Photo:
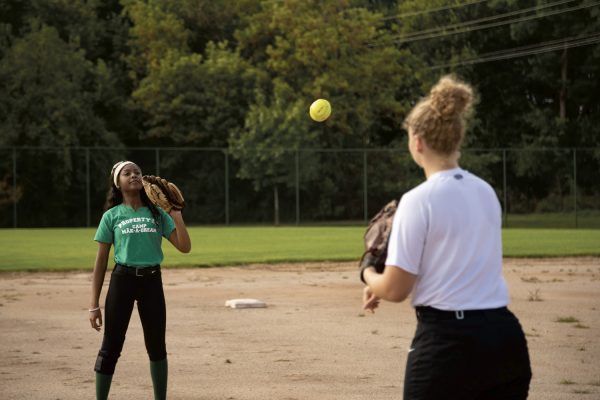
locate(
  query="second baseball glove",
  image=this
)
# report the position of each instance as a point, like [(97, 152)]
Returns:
[(376, 239)]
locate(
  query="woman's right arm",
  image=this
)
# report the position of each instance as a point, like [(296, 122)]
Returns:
[(97, 281), (395, 284)]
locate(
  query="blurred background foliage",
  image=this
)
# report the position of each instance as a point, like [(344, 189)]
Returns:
[(239, 76)]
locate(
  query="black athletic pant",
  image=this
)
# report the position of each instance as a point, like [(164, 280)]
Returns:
[(124, 289), (473, 355)]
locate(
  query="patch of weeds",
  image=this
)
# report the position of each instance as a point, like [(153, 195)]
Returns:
[(567, 320), (581, 391), (532, 279), (581, 326), (594, 383), (567, 382), (361, 315), (532, 334), (374, 332), (535, 295)]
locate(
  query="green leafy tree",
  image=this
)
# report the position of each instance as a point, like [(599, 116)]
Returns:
[(50, 93), (268, 144), (96, 29), (319, 49), (561, 85), (191, 99), (155, 34), (536, 101), (95, 26), (211, 20), (562, 99)]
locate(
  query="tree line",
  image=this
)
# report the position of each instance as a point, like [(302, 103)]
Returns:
[(240, 75)]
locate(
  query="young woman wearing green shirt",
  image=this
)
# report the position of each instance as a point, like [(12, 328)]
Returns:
[(135, 226)]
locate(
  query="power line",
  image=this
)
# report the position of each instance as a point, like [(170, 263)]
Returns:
[(500, 23), (536, 45), (464, 27), (431, 10), (523, 51), (486, 19)]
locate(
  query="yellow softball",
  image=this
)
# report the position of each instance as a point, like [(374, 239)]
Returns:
[(320, 110)]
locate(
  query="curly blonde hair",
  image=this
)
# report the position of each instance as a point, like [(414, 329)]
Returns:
[(439, 117)]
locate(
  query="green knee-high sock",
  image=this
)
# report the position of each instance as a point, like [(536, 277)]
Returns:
[(103, 382), (159, 371)]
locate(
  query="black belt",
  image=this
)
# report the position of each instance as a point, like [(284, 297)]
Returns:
[(138, 271), (428, 314)]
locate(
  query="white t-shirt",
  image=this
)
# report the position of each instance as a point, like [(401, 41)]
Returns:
[(447, 231)]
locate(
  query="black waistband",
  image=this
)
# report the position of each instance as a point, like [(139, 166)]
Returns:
[(137, 271), (426, 313)]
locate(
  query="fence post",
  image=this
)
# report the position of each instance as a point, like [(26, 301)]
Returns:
[(226, 186), (87, 187), (575, 186), (505, 208), (14, 187), (297, 188), (365, 190)]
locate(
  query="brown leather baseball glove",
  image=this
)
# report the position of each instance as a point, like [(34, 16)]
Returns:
[(376, 239), (163, 193)]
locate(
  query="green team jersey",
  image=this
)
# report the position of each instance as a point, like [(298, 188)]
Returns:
[(136, 235)]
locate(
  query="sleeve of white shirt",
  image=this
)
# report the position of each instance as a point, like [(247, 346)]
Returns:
[(409, 230)]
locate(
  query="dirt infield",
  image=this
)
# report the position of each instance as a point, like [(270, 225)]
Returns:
[(312, 342)]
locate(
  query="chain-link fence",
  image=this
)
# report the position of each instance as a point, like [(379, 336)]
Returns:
[(56, 187)]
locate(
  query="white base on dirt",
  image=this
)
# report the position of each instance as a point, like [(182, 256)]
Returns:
[(245, 303)]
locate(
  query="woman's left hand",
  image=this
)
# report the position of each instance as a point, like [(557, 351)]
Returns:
[(96, 319), (370, 301)]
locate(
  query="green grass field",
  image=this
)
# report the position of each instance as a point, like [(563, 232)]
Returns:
[(74, 249), (584, 219)]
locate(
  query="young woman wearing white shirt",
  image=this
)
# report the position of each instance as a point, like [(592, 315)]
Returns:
[(446, 248)]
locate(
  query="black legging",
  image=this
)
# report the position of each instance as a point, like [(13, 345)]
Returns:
[(123, 291)]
